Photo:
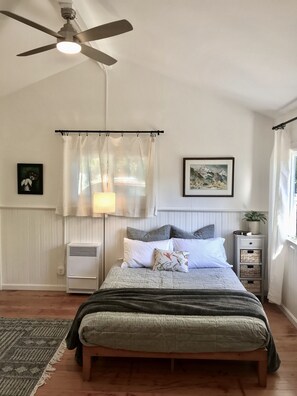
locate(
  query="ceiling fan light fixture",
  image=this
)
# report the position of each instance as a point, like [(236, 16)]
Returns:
[(70, 41), (68, 47)]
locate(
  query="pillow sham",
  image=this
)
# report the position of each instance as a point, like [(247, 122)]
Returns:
[(159, 234), (139, 254), (203, 233), (167, 260), (203, 253)]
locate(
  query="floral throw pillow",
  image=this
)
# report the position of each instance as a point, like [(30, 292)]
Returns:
[(167, 260)]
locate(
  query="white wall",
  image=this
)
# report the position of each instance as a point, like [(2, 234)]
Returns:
[(73, 100), (196, 123)]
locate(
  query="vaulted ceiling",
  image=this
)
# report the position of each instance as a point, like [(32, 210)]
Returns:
[(245, 50)]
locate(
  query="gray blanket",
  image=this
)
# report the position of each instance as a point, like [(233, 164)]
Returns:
[(173, 302)]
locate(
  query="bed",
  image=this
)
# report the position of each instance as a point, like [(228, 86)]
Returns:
[(194, 312)]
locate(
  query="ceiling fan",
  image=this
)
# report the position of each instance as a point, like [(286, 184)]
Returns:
[(71, 41)]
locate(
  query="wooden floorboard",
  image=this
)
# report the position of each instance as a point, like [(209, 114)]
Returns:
[(153, 377)]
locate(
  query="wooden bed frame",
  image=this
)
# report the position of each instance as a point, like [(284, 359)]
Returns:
[(259, 356)]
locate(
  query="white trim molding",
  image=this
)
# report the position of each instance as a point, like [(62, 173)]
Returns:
[(289, 315), (34, 287)]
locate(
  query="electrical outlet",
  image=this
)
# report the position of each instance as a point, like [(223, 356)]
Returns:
[(61, 270)]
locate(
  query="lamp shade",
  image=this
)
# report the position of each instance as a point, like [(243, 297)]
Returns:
[(104, 202)]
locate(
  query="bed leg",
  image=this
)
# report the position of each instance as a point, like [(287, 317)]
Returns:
[(262, 373), (172, 365), (87, 363)]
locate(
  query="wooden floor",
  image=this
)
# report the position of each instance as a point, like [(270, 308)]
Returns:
[(152, 377)]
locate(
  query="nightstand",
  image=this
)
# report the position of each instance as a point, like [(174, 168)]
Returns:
[(249, 262), (83, 266)]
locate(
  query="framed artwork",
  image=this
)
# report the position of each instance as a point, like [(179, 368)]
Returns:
[(30, 178), (208, 177)]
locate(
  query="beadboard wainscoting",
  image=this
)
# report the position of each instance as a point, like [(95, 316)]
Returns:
[(33, 241), (32, 248)]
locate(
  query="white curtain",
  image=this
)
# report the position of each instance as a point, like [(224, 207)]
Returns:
[(124, 164), (279, 213)]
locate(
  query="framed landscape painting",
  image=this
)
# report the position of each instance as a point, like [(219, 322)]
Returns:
[(208, 177), (30, 178)]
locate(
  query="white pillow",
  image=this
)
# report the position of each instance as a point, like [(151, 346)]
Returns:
[(203, 253), (139, 254)]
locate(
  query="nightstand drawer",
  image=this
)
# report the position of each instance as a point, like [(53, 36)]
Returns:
[(251, 256), (252, 243), (250, 271), (253, 286)]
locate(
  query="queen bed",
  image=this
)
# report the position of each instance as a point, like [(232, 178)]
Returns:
[(145, 308)]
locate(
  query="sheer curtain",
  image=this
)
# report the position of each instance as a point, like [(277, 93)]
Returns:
[(279, 213), (125, 164)]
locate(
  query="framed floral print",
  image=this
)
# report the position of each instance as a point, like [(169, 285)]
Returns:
[(30, 178)]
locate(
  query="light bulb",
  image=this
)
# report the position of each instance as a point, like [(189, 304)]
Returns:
[(68, 47)]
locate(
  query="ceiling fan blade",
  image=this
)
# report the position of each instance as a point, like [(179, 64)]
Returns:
[(104, 31), (38, 50), (31, 23), (97, 55)]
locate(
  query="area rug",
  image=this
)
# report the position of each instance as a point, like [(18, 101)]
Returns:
[(28, 350)]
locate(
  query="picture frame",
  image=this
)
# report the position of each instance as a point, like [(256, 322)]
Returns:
[(30, 179), (208, 177)]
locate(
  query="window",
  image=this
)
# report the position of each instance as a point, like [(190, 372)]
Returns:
[(123, 164)]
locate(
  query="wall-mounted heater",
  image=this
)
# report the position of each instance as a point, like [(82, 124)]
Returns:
[(83, 267)]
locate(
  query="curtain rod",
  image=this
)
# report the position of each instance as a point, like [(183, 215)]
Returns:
[(283, 124), (107, 132)]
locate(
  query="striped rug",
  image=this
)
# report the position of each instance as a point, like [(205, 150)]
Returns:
[(28, 349)]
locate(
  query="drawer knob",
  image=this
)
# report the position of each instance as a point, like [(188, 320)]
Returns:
[(251, 243)]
